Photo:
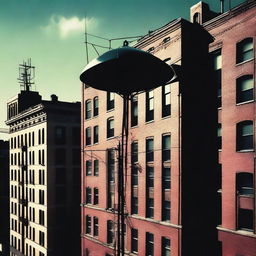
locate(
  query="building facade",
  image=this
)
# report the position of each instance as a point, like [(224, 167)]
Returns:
[(4, 198), (233, 51), (191, 174), (44, 175)]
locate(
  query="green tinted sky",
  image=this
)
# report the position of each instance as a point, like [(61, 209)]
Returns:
[(51, 33)]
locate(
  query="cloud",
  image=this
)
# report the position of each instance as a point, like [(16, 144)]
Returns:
[(66, 27)]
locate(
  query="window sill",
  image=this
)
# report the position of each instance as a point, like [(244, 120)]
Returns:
[(110, 110), (135, 126), (246, 195), (245, 102), (165, 117), (241, 63), (111, 138), (245, 150), (149, 122)]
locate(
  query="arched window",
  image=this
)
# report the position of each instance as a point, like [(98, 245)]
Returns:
[(95, 106), (88, 109), (244, 50), (196, 17), (244, 134), (244, 88), (88, 136), (110, 127)]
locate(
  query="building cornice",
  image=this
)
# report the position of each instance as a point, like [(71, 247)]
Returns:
[(159, 33), (225, 17)]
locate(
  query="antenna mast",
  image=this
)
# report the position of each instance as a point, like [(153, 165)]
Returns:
[(26, 75)]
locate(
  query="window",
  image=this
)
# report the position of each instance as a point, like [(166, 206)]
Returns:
[(166, 246), (150, 150), (134, 160), (150, 208), (134, 240), (110, 100), (41, 238), (111, 177), (134, 111), (150, 176), (149, 105), (60, 135), (96, 134), (88, 167), (166, 100), (41, 196), (166, 210), (217, 65), (244, 89), (76, 136), (196, 18), (41, 177), (110, 127), (60, 176), (96, 196), (244, 183), (41, 217), (166, 177), (219, 138), (88, 136), (134, 207), (245, 219), (95, 226), (60, 156), (95, 106), (110, 232), (245, 135), (149, 244), (244, 50), (166, 146), (88, 227), (88, 195), (88, 109), (96, 167)]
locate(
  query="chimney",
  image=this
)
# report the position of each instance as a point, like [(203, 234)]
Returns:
[(54, 98)]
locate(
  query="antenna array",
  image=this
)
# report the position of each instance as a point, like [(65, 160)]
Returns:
[(26, 75)]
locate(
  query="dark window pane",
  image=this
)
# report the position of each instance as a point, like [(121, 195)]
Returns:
[(110, 100), (96, 134), (88, 109), (244, 50), (134, 239), (88, 136), (134, 111), (149, 106), (244, 183), (244, 87), (149, 244), (60, 135), (110, 127), (245, 219), (95, 106), (149, 150)]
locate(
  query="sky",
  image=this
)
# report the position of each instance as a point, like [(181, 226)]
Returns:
[(51, 33)]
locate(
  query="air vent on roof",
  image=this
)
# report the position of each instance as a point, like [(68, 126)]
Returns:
[(167, 39), (151, 49)]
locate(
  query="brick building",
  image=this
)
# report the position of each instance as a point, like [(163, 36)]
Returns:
[(172, 204), (44, 175), (4, 198)]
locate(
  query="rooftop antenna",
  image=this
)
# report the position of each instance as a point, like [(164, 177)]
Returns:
[(26, 75)]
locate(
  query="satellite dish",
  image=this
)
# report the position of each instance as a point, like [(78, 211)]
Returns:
[(126, 70)]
